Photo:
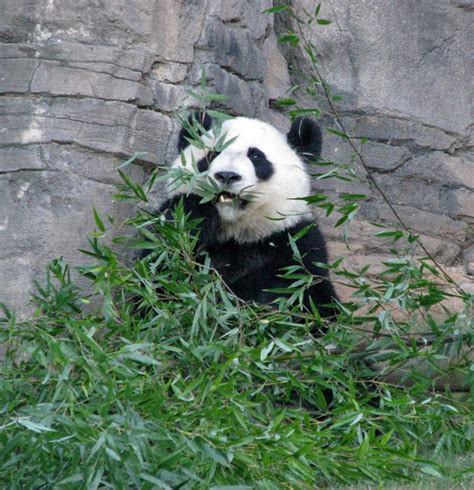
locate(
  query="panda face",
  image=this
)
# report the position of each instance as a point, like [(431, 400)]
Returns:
[(259, 176), (238, 172)]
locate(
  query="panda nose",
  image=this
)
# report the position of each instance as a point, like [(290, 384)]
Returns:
[(227, 177)]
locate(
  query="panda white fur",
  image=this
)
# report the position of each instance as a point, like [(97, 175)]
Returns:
[(261, 175)]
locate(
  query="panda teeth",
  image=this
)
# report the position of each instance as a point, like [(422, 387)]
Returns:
[(225, 199)]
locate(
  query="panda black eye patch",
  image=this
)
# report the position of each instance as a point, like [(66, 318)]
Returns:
[(263, 168), (204, 162)]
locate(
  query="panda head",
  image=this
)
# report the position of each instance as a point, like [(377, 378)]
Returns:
[(260, 175)]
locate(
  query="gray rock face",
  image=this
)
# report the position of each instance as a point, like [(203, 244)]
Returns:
[(405, 73), (84, 84), (411, 60)]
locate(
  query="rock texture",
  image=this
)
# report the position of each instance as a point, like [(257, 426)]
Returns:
[(85, 83), (404, 72)]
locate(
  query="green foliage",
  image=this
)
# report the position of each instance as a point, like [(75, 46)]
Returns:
[(169, 381)]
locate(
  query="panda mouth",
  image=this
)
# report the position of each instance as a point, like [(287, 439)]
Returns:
[(229, 199), (226, 198)]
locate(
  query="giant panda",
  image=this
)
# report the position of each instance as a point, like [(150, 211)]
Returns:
[(260, 178)]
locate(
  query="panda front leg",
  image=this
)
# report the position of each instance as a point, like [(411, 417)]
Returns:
[(205, 212)]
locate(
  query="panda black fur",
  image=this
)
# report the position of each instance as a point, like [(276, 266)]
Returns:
[(247, 240)]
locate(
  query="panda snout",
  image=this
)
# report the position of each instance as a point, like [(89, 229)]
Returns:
[(227, 178)]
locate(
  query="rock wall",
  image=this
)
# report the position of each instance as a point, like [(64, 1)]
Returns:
[(85, 83), (404, 71)]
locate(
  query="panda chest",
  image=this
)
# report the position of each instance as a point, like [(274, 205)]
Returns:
[(235, 261)]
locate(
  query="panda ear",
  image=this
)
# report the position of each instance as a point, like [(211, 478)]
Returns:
[(305, 137), (202, 118)]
